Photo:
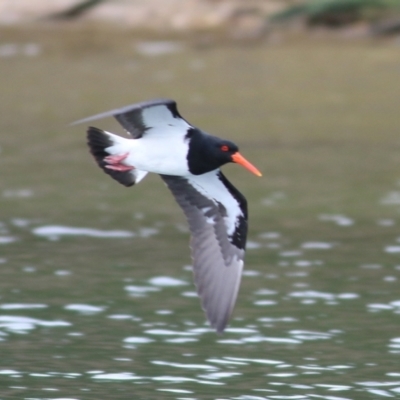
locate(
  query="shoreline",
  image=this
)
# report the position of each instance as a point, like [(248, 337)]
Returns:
[(150, 15), (202, 20)]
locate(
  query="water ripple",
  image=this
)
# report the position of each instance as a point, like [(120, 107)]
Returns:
[(137, 340), (392, 249), (259, 339), (20, 306), (220, 375), (391, 198), (393, 306), (338, 219), (169, 332), (281, 319), (53, 232), (264, 361), (265, 302), (8, 372), (140, 291), (265, 292), (117, 376), (8, 239), (226, 361), (249, 397), (166, 281), (334, 387), (313, 294), (241, 330), (178, 391), (21, 324), (394, 345), (17, 193), (372, 387), (310, 335), (180, 379), (123, 316), (282, 374), (181, 340), (185, 366), (84, 308), (292, 397), (317, 245)]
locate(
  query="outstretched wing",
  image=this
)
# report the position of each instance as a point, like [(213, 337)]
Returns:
[(150, 116), (217, 216)]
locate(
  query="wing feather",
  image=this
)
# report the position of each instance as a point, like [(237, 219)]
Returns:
[(140, 118), (217, 260)]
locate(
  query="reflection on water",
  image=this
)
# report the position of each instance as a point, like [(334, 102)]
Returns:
[(96, 295)]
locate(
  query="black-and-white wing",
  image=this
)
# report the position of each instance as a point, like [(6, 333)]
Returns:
[(217, 216), (141, 118)]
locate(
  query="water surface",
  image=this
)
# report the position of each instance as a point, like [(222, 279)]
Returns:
[(96, 292)]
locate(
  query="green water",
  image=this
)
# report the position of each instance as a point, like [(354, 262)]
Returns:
[(318, 312)]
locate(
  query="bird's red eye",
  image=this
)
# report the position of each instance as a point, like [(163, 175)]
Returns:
[(224, 148)]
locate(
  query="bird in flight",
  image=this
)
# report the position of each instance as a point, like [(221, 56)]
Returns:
[(188, 160)]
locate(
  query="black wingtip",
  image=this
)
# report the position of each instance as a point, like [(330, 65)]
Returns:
[(98, 141)]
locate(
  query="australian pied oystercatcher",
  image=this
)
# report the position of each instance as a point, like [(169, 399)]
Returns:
[(188, 160)]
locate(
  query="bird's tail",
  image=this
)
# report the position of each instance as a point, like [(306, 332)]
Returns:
[(99, 141)]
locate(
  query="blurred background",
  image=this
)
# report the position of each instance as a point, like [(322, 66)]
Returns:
[(96, 292)]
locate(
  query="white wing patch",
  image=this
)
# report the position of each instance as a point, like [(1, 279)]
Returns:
[(211, 186), (161, 117)]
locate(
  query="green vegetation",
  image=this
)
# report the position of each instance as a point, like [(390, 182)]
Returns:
[(339, 12)]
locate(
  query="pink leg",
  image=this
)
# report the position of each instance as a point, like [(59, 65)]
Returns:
[(114, 163), (116, 158)]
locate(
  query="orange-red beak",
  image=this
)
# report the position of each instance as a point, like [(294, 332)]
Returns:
[(239, 159)]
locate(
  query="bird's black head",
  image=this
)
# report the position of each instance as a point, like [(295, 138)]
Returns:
[(207, 153)]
